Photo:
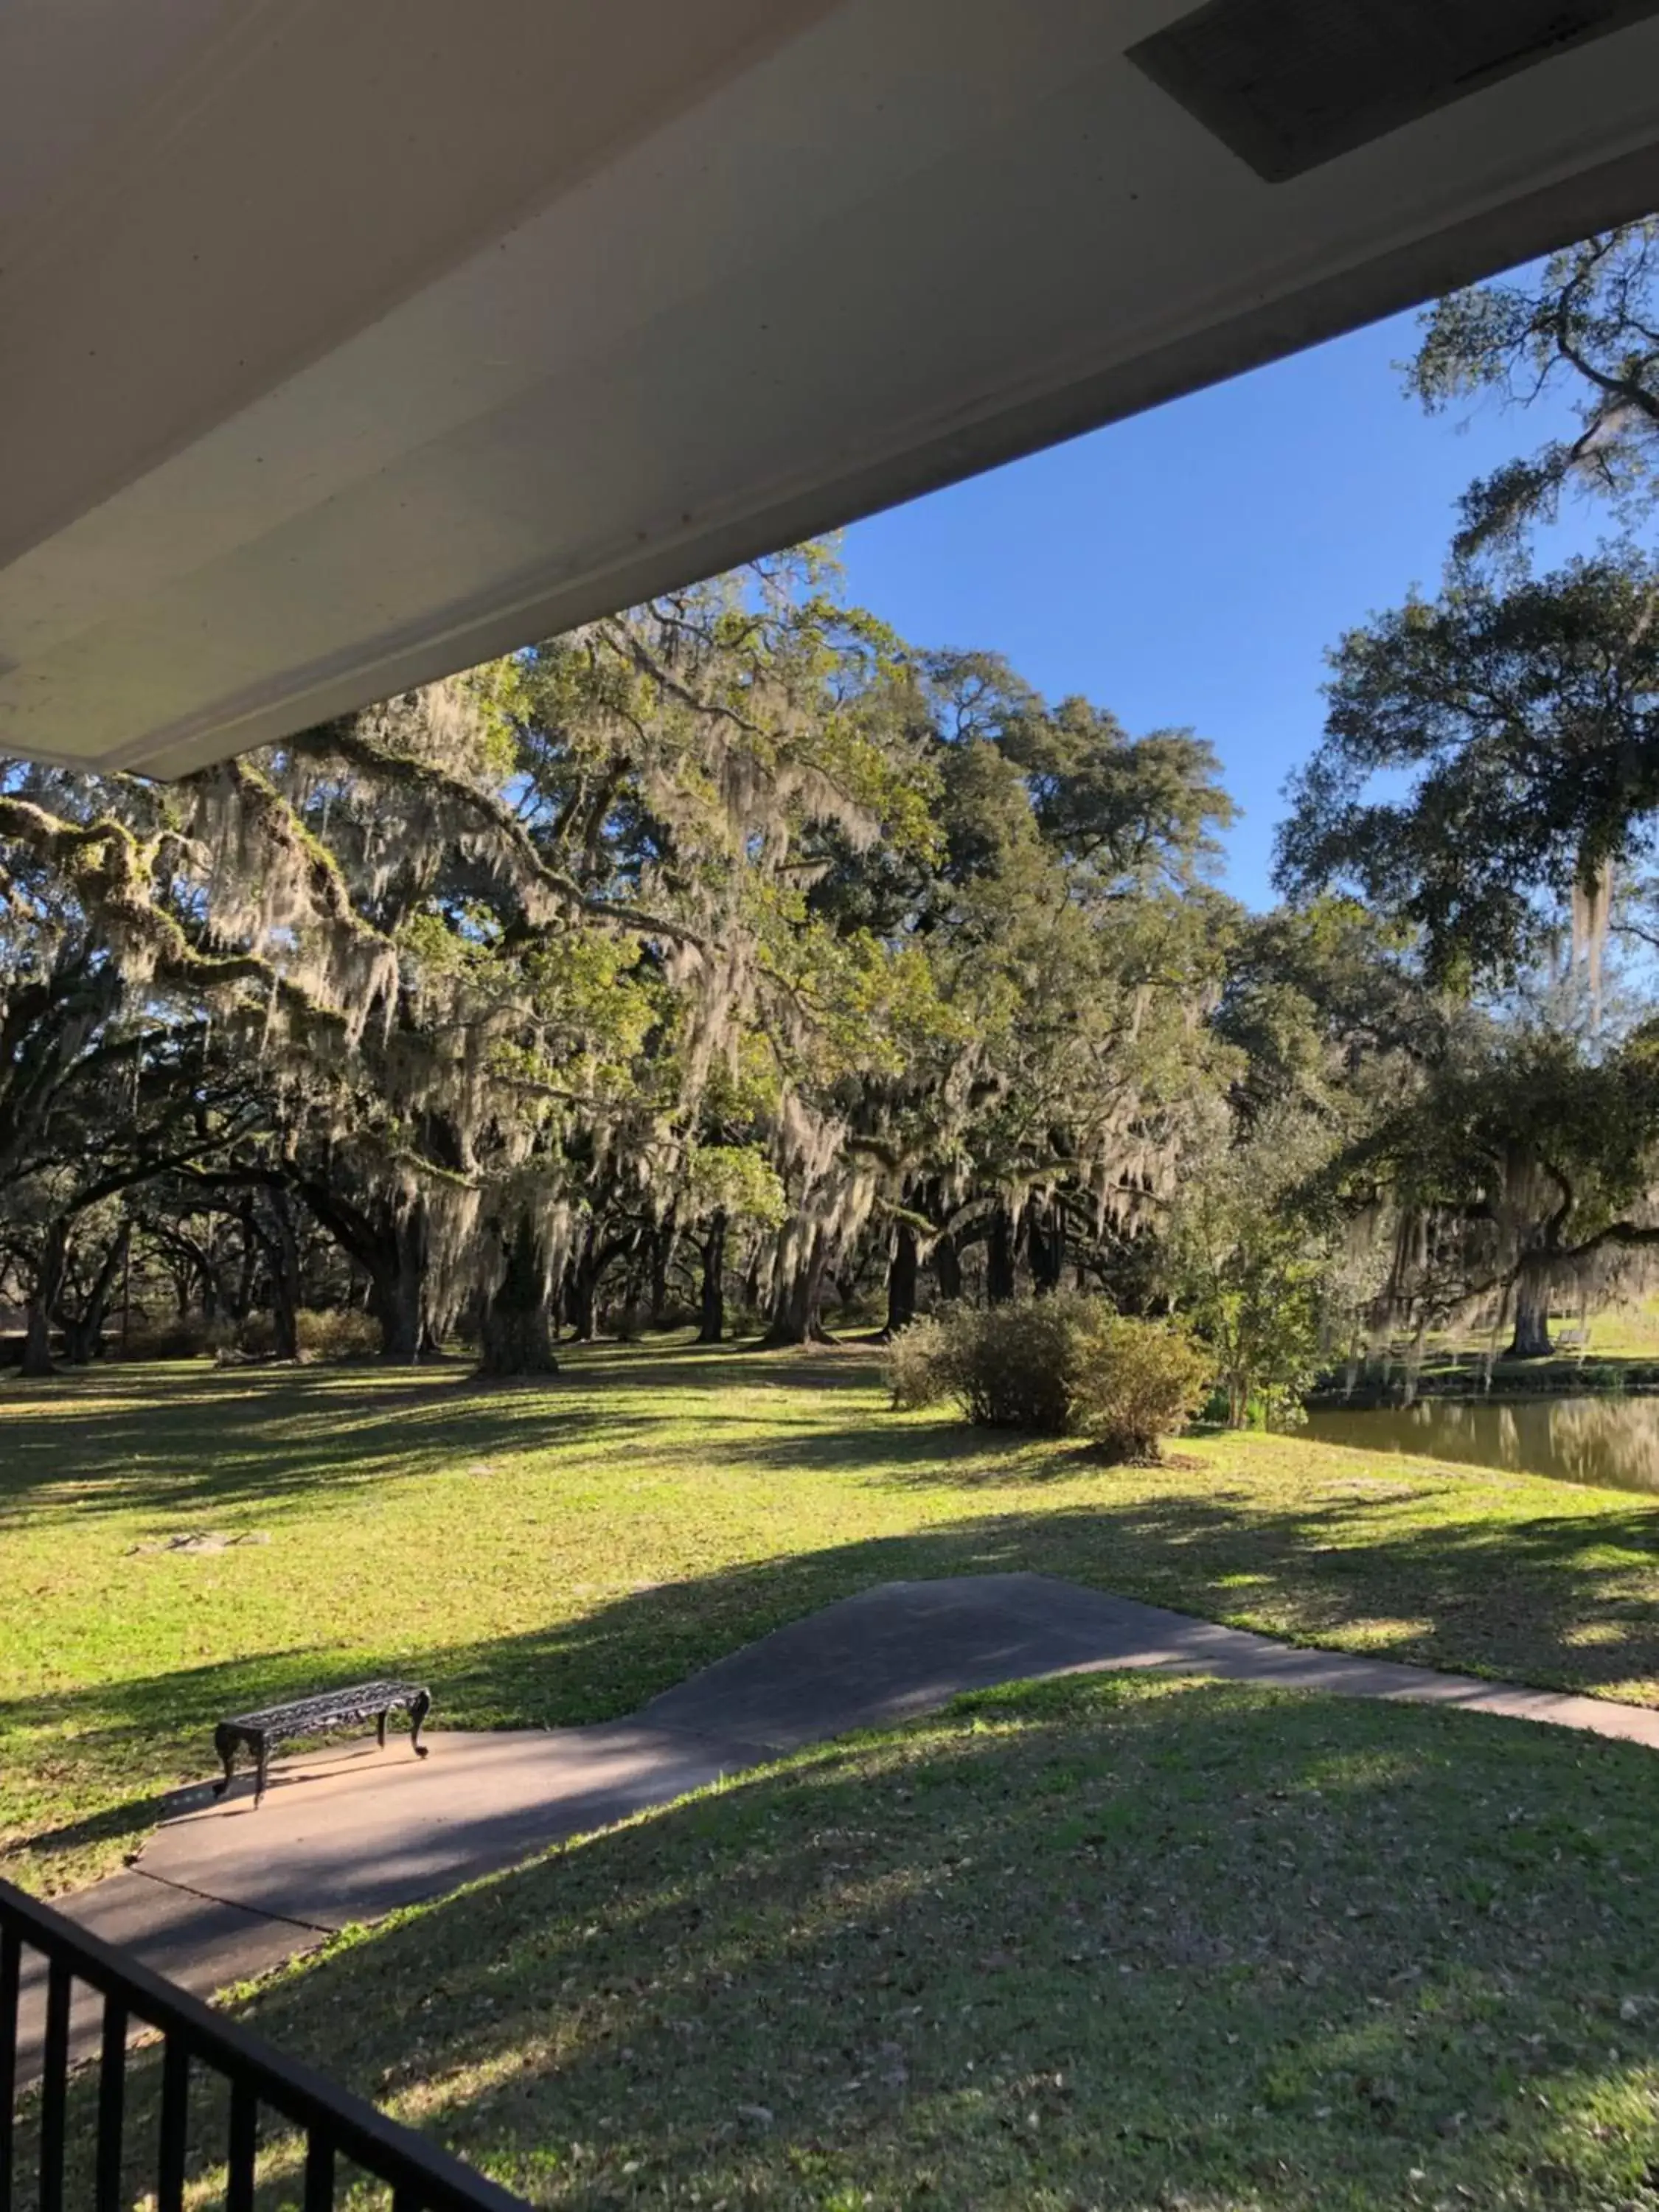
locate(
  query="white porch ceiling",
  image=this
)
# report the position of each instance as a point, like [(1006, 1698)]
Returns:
[(344, 343)]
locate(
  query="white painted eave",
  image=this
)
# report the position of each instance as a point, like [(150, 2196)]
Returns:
[(341, 347)]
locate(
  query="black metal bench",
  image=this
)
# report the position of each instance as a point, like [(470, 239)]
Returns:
[(345, 1708)]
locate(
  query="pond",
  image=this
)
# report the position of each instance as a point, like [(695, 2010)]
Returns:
[(1610, 1441)]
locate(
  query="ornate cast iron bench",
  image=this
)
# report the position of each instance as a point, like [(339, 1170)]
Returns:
[(331, 1709)]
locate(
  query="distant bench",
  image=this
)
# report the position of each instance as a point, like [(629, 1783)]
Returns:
[(345, 1708)]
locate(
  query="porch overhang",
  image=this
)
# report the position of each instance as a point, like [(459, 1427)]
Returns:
[(344, 345)]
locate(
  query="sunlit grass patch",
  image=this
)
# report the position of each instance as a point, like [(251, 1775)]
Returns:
[(558, 1552), (1133, 1942)]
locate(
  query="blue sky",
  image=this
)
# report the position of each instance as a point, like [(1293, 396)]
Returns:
[(1190, 568)]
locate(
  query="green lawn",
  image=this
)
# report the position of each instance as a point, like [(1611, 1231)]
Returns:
[(1127, 1941), (557, 1553)]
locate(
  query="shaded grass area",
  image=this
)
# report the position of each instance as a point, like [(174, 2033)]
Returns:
[(559, 1552), (1118, 1940)]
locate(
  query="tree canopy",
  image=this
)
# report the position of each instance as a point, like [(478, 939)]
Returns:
[(1582, 325), (733, 961), (1522, 719), (728, 936)]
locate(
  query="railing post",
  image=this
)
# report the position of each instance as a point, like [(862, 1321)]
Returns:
[(319, 2172), (333, 2123), (244, 2148), (175, 2116), (54, 2085), (11, 1955), (112, 2102)]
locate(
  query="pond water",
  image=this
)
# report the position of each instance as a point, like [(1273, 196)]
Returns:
[(1611, 1441)]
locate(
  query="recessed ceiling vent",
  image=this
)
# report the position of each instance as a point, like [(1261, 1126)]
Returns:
[(1290, 83)]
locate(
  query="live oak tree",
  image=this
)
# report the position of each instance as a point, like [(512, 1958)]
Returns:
[(1522, 717), (1521, 714), (725, 940), (1489, 784), (1519, 1171), (698, 755), (114, 1019), (486, 944), (1074, 946), (1583, 327), (1251, 1258), (726, 1186)]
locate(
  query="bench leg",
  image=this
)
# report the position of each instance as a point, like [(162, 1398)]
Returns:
[(418, 1712), (224, 1745), (379, 1726)]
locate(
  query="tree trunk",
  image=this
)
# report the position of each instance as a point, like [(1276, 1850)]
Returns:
[(1531, 1339), (947, 1268), (282, 1249), (711, 1327), (662, 1257), (903, 1269), (398, 1310), (83, 1336), (518, 1323), (240, 1304), (796, 1302), (581, 1295), (1000, 1258), (398, 1270), (1046, 1243), (284, 1322), (580, 1301), (389, 1242), (44, 1294)]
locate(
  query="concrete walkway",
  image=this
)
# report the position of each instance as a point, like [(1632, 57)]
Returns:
[(222, 1892)]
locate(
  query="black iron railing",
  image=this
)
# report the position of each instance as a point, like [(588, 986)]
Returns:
[(334, 2126)]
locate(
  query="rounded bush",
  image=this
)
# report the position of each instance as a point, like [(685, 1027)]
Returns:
[(324, 1333), (1064, 1365), (1134, 1383)]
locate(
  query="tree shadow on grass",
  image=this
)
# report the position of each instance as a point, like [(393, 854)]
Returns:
[(746, 1364), (227, 1442), (160, 1440), (1530, 1601), (1113, 1942), (918, 1454), (1544, 1601), (1567, 1599)]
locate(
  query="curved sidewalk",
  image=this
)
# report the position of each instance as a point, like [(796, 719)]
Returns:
[(222, 1893)]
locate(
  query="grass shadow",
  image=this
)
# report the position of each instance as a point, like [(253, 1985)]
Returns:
[(1116, 1942), (1531, 1602), (1452, 1573)]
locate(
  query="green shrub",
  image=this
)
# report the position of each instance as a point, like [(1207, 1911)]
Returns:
[(189, 1337), (338, 1332), (324, 1333), (1011, 1366), (256, 1336), (1134, 1381), (1064, 1365), (1007, 1366), (916, 1373)]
